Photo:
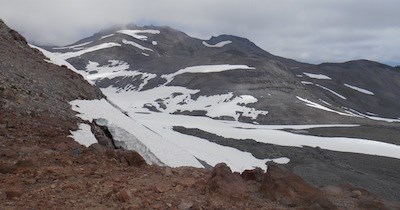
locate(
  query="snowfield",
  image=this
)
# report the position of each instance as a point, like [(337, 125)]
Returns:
[(171, 148), (361, 90)]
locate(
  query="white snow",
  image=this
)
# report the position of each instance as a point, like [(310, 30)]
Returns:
[(145, 54), (171, 148), (54, 59), (154, 43), (205, 69), (361, 90), (106, 36), (306, 83), (124, 139), (84, 135), (325, 102), (318, 106), (316, 76), (72, 46), (115, 69), (375, 117), (269, 134), (179, 99), (136, 45), (219, 44), (68, 55), (333, 92), (138, 34)]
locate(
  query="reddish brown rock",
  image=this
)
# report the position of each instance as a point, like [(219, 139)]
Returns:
[(123, 196), (131, 157), (256, 174), (291, 190), (225, 182), (371, 204), (7, 168), (13, 193)]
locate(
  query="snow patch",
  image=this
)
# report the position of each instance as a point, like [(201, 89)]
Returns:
[(154, 43), (205, 69), (106, 36), (361, 90), (318, 106), (316, 76), (306, 83), (138, 34), (69, 55), (55, 59), (84, 135), (135, 45), (219, 44)]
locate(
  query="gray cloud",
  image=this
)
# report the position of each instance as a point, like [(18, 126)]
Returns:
[(306, 30)]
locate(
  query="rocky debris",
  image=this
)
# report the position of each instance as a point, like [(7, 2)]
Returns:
[(7, 168), (131, 157), (186, 205), (256, 174), (128, 157), (356, 193), (291, 190), (3, 129), (123, 196), (13, 193), (168, 172), (225, 182)]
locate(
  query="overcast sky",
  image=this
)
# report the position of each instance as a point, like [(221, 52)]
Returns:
[(306, 30)]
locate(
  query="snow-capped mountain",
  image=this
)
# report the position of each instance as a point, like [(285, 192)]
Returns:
[(182, 101), (158, 80), (230, 78)]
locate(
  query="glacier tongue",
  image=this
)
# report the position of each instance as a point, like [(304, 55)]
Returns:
[(125, 140)]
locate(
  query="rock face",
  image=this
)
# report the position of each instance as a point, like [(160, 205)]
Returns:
[(291, 190)]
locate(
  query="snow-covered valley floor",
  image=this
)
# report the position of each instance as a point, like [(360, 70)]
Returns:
[(155, 131)]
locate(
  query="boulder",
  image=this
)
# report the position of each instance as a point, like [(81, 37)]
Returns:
[(131, 157), (256, 174), (224, 182)]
